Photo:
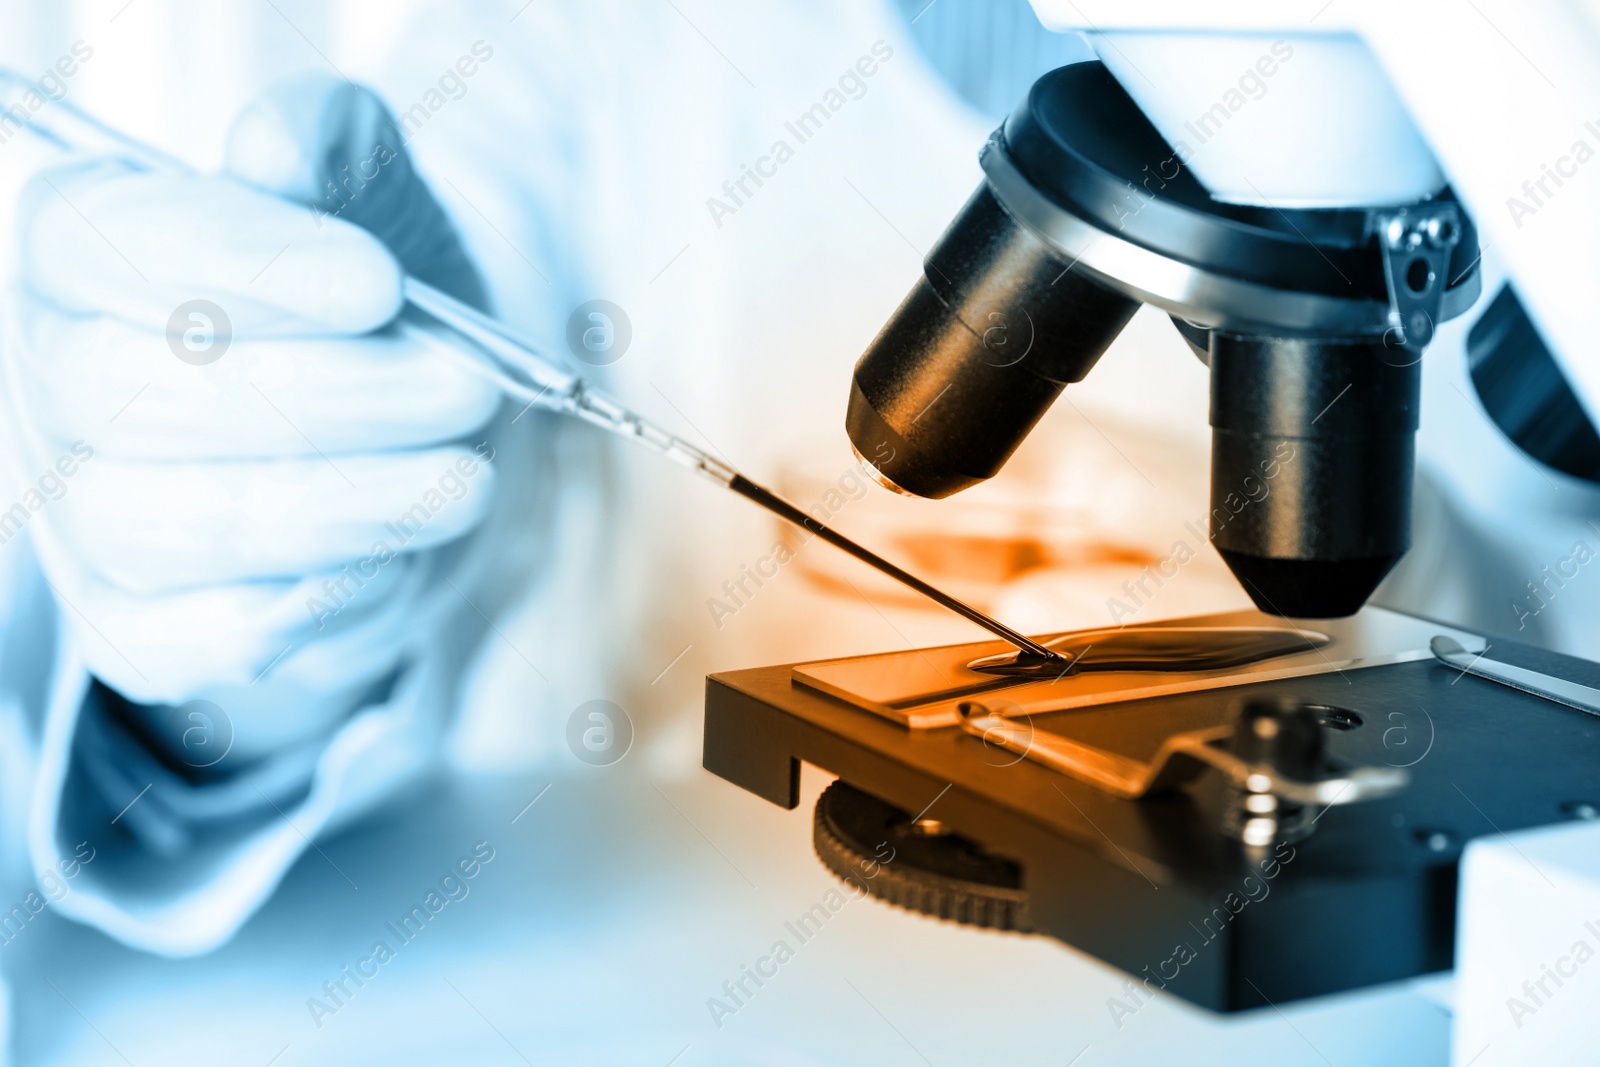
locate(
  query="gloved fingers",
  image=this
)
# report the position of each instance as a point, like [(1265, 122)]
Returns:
[(168, 647), (150, 528), (334, 146), (122, 390), (104, 238)]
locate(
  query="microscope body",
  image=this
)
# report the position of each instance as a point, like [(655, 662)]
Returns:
[(1301, 233), (1297, 227)]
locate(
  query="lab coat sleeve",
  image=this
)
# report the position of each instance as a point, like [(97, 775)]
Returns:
[(179, 865), (184, 855)]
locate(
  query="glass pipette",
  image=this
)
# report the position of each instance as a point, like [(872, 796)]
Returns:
[(519, 367)]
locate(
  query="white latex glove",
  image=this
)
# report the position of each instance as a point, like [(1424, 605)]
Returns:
[(194, 516)]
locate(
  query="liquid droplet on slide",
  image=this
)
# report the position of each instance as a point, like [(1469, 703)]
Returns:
[(1156, 648)]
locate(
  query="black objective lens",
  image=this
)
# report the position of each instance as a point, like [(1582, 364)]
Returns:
[(1311, 467), (993, 331)]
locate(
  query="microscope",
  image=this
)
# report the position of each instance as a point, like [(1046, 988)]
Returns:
[(1308, 801)]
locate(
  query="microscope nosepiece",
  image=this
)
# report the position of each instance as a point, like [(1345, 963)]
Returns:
[(1312, 321)]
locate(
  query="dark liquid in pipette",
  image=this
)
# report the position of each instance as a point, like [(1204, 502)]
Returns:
[(782, 508), (1156, 648)]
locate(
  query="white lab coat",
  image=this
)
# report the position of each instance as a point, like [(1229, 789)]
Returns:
[(593, 150)]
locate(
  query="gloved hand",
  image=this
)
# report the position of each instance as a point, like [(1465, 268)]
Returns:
[(245, 499)]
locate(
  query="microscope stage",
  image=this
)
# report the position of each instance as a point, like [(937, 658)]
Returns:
[(1154, 886)]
